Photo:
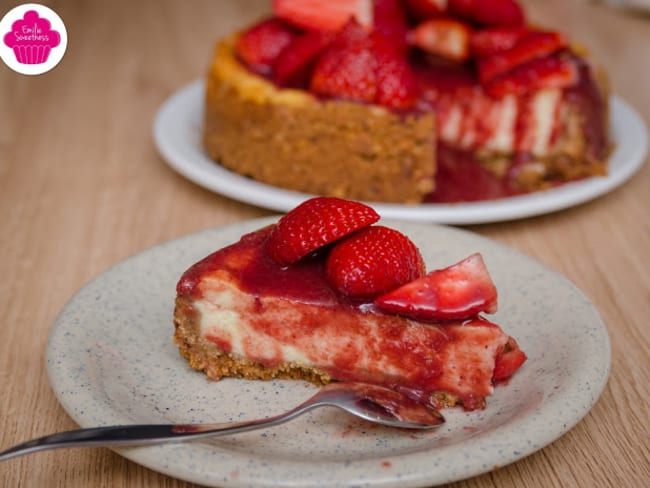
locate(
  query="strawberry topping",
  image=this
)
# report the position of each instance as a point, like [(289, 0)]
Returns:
[(508, 360), (362, 50), (261, 45), (347, 68), (550, 72), (296, 63), (488, 12), (443, 36), (331, 15), (389, 20), (424, 9), (456, 292), (314, 224), (495, 40), (372, 261), (396, 82), (532, 46)]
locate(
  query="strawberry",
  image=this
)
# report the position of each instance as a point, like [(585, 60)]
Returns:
[(508, 360), (456, 292), (365, 67), (486, 42), (330, 15), (549, 72), (532, 46), (425, 9), (260, 45), (295, 64), (442, 36), (372, 261), (389, 21), (315, 223), (396, 82), (347, 68), (493, 13)]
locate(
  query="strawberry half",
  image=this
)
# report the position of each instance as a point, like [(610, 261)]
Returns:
[(495, 40), (372, 261), (425, 9), (314, 224), (550, 72), (396, 83), (444, 37), (260, 46), (295, 64), (389, 21), (347, 67), (330, 15), (532, 46), (459, 291), (488, 12), (508, 360)]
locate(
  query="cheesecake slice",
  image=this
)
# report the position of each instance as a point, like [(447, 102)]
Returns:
[(244, 312)]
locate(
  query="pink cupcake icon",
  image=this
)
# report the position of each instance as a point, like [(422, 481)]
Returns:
[(32, 38)]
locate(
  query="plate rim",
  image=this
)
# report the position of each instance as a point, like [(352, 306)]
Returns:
[(188, 159), (149, 456)]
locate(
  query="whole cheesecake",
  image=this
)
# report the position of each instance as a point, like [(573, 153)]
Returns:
[(325, 295), (405, 101)]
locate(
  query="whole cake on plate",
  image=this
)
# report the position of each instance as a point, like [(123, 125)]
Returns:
[(327, 294), (405, 101)]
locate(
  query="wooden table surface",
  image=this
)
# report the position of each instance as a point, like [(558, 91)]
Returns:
[(83, 187)]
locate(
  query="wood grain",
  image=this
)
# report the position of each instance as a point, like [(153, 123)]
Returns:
[(82, 187)]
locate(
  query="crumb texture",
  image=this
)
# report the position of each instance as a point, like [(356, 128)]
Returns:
[(291, 139)]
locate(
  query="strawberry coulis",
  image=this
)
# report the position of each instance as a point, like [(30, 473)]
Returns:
[(424, 349)]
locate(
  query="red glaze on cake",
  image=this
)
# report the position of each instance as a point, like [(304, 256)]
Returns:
[(241, 313)]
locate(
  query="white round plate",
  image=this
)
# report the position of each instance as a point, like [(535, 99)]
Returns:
[(111, 360), (177, 133)]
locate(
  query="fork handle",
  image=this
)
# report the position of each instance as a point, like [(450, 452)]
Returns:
[(98, 436), (131, 435)]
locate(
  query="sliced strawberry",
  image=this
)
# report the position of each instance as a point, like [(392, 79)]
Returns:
[(488, 12), (550, 72), (347, 67), (425, 9), (495, 40), (532, 46), (389, 21), (261, 45), (508, 361), (444, 37), (396, 83), (295, 64), (456, 292), (330, 16), (351, 33), (314, 224), (372, 261)]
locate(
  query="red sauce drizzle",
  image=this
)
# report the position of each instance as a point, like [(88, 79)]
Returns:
[(259, 275)]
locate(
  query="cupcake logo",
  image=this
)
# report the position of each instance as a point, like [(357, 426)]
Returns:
[(33, 39)]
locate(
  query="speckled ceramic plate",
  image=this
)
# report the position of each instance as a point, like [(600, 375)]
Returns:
[(177, 133), (111, 360)]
